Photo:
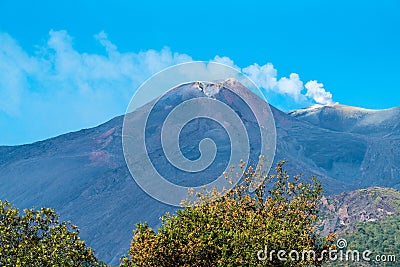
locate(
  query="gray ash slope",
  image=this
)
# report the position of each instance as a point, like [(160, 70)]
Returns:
[(83, 174), (366, 149)]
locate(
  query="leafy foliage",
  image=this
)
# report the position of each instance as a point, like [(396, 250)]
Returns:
[(38, 238), (230, 228), (382, 238)]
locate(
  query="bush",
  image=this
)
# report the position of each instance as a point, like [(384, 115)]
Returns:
[(38, 238), (230, 229)]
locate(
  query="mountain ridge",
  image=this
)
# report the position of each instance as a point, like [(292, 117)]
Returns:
[(83, 174), (340, 212), (351, 119)]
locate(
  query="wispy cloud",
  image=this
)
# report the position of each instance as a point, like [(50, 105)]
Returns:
[(69, 89), (266, 77), (15, 67), (317, 92)]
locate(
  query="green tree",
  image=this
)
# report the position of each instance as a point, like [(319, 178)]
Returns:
[(230, 229), (38, 238), (381, 237)]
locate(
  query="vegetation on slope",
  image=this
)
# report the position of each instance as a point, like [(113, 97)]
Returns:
[(38, 238), (382, 238), (372, 222), (231, 229)]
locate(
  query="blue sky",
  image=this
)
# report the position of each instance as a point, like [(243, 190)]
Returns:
[(67, 65)]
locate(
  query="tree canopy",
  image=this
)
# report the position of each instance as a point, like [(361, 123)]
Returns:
[(38, 238), (231, 228)]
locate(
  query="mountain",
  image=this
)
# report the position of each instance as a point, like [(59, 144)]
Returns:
[(83, 174), (343, 211), (360, 147), (341, 118), (368, 219)]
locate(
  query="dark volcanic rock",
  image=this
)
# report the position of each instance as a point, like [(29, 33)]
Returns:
[(83, 174)]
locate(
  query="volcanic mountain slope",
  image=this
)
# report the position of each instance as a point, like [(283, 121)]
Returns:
[(83, 174), (342, 211), (84, 177), (368, 219), (341, 118), (362, 147)]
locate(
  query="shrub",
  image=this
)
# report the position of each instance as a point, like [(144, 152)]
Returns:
[(38, 238), (230, 228)]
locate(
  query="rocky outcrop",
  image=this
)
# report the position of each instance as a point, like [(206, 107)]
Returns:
[(341, 211)]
